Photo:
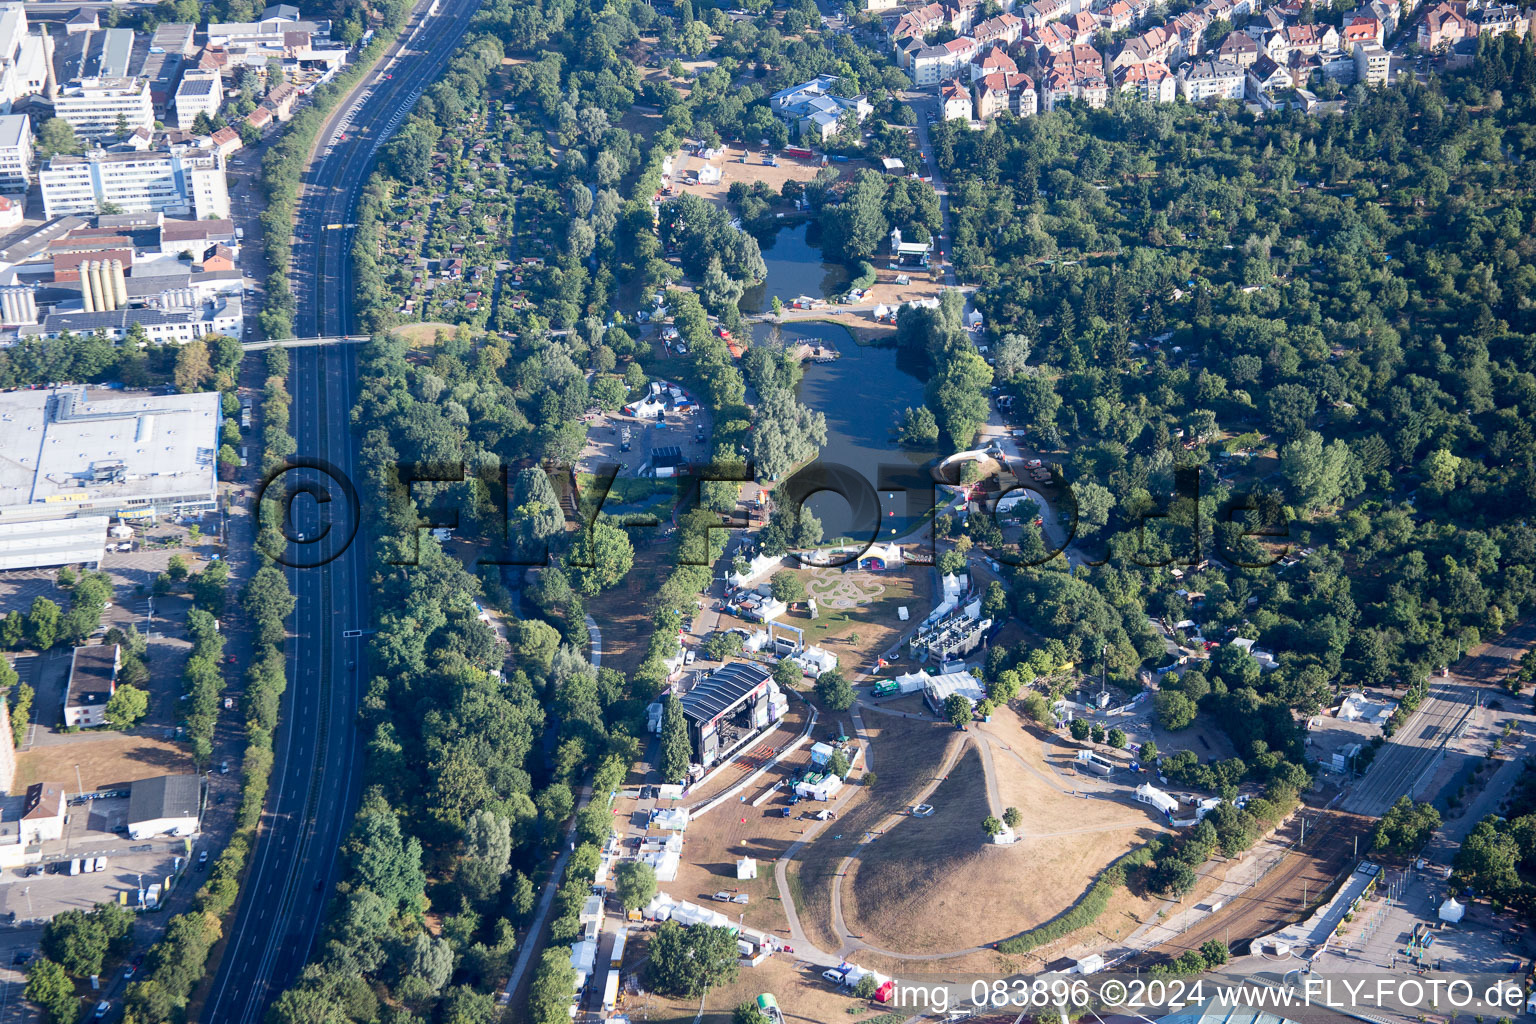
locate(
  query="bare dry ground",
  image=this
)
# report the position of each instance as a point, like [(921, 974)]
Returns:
[(423, 335), (754, 170), (936, 885), (906, 753), (104, 759), (803, 996), (913, 889)]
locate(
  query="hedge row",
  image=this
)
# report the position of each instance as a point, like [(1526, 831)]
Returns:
[(1086, 911)]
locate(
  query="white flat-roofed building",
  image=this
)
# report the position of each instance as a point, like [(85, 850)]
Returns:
[(179, 179), (199, 93), (222, 314), (92, 681), (100, 108), (24, 57), (15, 152), (37, 545), (79, 452)]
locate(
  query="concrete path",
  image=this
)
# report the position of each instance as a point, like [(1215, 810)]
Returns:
[(535, 932), (596, 636)]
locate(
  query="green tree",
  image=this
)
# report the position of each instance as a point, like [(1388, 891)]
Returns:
[(838, 764), (918, 427), (1405, 827), (1116, 738), (601, 557), (127, 707), (1174, 710), (1214, 953), (43, 623), (81, 940), (784, 433), (676, 751), (56, 136), (49, 989), (1013, 817), (748, 1013), (786, 586), (192, 366), (1080, 729), (549, 996), (634, 882), (991, 826), (957, 710), (690, 961), (833, 691), (788, 674)]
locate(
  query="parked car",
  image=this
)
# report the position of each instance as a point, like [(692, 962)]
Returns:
[(102, 1008)]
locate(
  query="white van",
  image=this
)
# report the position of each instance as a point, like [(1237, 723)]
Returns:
[(100, 865), (74, 867)]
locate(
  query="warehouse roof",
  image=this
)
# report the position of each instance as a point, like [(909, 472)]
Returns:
[(63, 447), (168, 796)]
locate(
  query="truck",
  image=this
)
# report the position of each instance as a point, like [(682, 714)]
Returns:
[(799, 151), (611, 992), (886, 688), (617, 957)]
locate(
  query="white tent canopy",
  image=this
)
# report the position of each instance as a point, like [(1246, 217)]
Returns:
[(675, 818), (1149, 794), (746, 868), (1451, 911)]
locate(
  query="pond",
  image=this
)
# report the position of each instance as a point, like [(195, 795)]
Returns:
[(862, 395), (795, 268)]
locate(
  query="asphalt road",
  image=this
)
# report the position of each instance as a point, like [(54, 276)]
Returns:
[(317, 771)]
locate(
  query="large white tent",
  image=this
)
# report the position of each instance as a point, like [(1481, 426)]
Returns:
[(1149, 794)]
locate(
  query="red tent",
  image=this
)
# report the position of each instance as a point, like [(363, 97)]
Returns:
[(885, 992)]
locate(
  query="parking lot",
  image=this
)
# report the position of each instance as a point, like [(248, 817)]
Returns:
[(130, 866), (687, 429)]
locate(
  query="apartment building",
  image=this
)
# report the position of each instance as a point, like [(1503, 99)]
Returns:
[(99, 108), (25, 57), (1211, 79), (16, 161), (1373, 65), (175, 179), (1150, 82)]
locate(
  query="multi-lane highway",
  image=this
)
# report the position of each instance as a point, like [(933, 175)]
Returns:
[(317, 766)]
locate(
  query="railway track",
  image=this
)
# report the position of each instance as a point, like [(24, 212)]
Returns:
[(1287, 892)]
